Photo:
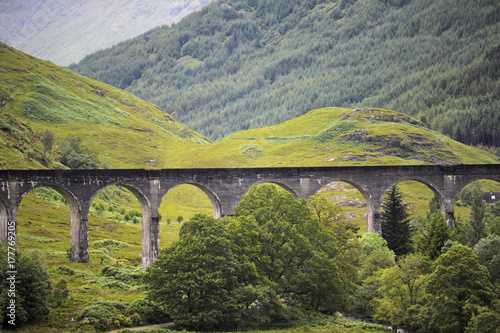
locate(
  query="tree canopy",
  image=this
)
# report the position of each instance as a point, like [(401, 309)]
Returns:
[(241, 271)]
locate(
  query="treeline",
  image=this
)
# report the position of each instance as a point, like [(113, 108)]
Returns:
[(243, 64), (279, 259)]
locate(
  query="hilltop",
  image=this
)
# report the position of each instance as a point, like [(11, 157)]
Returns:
[(336, 136), (66, 31), (126, 132)]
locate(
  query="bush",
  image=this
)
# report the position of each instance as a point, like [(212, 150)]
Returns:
[(101, 315), (107, 315), (148, 311), (118, 245), (127, 274), (32, 284)]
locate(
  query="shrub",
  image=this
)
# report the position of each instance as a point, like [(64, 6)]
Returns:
[(127, 274), (101, 315), (148, 311), (118, 245)]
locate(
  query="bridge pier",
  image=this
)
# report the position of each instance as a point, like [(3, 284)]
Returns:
[(373, 219), (150, 241), (80, 240), (4, 218)]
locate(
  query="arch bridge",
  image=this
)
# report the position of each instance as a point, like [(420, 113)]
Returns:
[(225, 188)]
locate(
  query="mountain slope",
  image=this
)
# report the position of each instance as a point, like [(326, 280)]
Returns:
[(238, 64), (120, 129), (126, 132), (65, 31)]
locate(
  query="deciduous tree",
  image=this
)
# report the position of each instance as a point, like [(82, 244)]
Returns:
[(196, 277), (458, 286), (402, 286), (32, 287)]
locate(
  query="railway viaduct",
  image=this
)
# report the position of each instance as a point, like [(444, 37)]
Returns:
[(225, 188)]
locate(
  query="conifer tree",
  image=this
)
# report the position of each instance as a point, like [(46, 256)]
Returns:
[(436, 234), (395, 223)]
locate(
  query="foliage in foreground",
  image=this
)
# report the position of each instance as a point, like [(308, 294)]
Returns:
[(29, 289), (444, 286), (262, 266)]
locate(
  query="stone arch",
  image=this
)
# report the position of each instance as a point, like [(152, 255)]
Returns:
[(78, 226), (281, 184), (360, 189), (150, 228), (446, 201), (443, 200), (211, 194), (461, 185), (373, 206), (485, 188)]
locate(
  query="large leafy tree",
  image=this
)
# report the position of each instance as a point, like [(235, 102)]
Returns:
[(234, 271), (375, 257), (195, 279), (32, 288), (294, 254), (396, 223), (488, 252), (458, 288), (402, 286), (329, 214)]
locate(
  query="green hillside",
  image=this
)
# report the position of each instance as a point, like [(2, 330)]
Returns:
[(120, 129), (334, 137), (237, 65)]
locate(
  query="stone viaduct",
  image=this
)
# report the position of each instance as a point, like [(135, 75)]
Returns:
[(225, 188)]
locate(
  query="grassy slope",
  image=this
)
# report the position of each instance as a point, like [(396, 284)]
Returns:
[(131, 135), (334, 136), (123, 130)]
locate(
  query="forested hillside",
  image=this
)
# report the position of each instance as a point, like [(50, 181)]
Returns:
[(246, 64)]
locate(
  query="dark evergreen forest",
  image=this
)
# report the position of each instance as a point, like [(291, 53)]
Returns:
[(240, 64)]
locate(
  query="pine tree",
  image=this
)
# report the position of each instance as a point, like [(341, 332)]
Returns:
[(436, 234), (395, 223)]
